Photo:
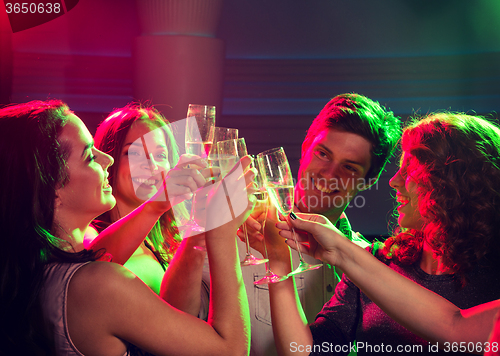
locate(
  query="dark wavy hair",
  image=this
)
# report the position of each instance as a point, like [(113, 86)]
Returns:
[(358, 114), (455, 161), (164, 238), (33, 167)]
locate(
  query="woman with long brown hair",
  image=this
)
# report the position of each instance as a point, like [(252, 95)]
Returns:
[(148, 247), (55, 300)]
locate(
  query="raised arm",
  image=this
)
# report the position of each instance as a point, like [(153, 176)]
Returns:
[(181, 284), (288, 319), (289, 322), (124, 236), (416, 308), (124, 309)]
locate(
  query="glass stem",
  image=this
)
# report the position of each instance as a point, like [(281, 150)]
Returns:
[(268, 268), (191, 213), (247, 243), (296, 242)]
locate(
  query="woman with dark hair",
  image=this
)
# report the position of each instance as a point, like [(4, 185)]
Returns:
[(455, 161), (58, 301), (147, 248), (447, 190)]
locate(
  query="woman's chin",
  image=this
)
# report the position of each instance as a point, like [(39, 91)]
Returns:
[(112, 203), (108, 205), (145, 192), (144, 196)]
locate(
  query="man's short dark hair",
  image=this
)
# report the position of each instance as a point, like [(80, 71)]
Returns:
[(360, 115)]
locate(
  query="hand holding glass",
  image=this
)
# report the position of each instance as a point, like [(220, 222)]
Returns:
[(262, 197), (279, 184), (229, 152)]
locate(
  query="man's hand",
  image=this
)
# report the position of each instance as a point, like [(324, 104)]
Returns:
[(276, 246)]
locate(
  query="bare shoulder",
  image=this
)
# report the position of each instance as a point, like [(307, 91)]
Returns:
[(97, 287), (104, 289), (98, 294), (101, 276), (109, 306)]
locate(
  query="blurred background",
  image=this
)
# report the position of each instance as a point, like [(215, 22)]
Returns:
[(268, 66)]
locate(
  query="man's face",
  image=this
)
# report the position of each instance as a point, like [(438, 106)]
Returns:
[(332, 171)]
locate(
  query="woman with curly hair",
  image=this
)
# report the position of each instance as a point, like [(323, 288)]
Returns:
[(57, 301), (451, 163), (147, 248), (448, 193)]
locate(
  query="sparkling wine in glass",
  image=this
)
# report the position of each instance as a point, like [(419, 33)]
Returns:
[(201, 149), (261, 195), (229, 153), (200, 125), (263, 198), (279, 184), (220, 134)]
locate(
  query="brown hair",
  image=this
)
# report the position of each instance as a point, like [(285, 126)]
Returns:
[(455, 162), (357, 114), (34, 166), (110, 138)]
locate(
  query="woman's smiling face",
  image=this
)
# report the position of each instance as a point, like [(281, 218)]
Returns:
[(87, 193), (407, 195), (144, 156)]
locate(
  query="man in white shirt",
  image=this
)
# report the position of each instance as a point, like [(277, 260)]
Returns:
[(344, 152)]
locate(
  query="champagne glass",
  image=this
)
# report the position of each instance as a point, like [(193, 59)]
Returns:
[(261, 195), (220, 134), (279, 185), (200, 125), (262, 198), (230, 152), (200, 129)]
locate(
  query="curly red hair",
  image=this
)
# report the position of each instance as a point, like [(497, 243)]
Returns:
[(455, 160)]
